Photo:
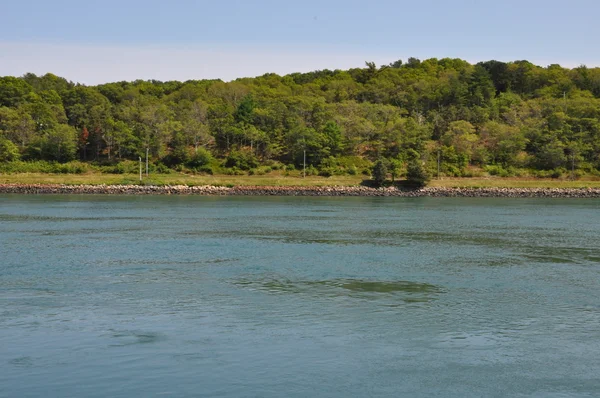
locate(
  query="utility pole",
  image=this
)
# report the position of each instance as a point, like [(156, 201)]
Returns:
[(147, 161), (304, 169), (438, 164)]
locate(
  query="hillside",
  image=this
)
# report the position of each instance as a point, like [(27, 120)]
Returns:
[(495, 118)]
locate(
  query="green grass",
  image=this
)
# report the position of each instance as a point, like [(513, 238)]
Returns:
[(510, 182), (278, 179), (176, 179)]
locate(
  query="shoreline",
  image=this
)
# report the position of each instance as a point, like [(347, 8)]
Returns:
[(332, 191)]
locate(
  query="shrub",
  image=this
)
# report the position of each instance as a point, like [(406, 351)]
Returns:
[(311, 171), (234, 171), (243, 160), (42, 166), (496, 170), (201, 158), (159, 168), (326, 172), (205, 169), (123, 167), (74, 167)]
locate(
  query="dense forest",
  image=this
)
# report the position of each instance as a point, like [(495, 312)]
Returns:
[(447, 115)]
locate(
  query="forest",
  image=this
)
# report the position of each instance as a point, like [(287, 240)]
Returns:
[(445, 116)]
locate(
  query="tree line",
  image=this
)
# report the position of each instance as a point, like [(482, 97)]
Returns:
[(452, 117)]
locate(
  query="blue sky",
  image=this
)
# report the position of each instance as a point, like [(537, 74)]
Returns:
[(98, 41)]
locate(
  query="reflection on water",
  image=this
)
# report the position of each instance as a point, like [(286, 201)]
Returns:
[(408, 291), (333, 297), (128, 337)]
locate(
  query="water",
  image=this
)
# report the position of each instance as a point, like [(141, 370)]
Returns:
[(299, 297)]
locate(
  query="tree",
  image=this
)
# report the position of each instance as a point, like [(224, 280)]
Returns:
[(13, 91), (245, 110), (461, 136), (333, 137), (17, 125), (59, 144), (550, 156), (395, 165), (8, 151), (380, 172), (503, 143), (201, 157), (513, 114), (416, 173), (83, 142)]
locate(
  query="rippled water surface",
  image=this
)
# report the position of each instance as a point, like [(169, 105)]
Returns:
[(299, 297)]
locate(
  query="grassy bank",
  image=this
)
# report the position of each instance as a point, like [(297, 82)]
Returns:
[(177, 179), (280, 180)]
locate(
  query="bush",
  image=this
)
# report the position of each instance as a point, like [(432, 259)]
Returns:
[(554, 173), (473, 172), (311, 171), (243, 160), (326, 172), (123, 167), (199, 159), (234, 171), (496, 170), (205, 169), (74, 167), (42, 166), (274, 165), (160, 169)]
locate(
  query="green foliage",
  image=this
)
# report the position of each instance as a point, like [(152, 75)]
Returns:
[(206, 169), (496, 170), (243, 160), (416, 173), (201, 158), (123, 167), (13, 91), (380, 171), (395, 166), (43, 166), (494, 116), (9, 152)]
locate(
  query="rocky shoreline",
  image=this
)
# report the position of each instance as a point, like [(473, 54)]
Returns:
[(209, 190)]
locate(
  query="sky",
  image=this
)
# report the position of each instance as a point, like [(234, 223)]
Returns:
[(94, 42)]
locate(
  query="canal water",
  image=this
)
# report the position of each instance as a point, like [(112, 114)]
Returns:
[(148, 296)]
